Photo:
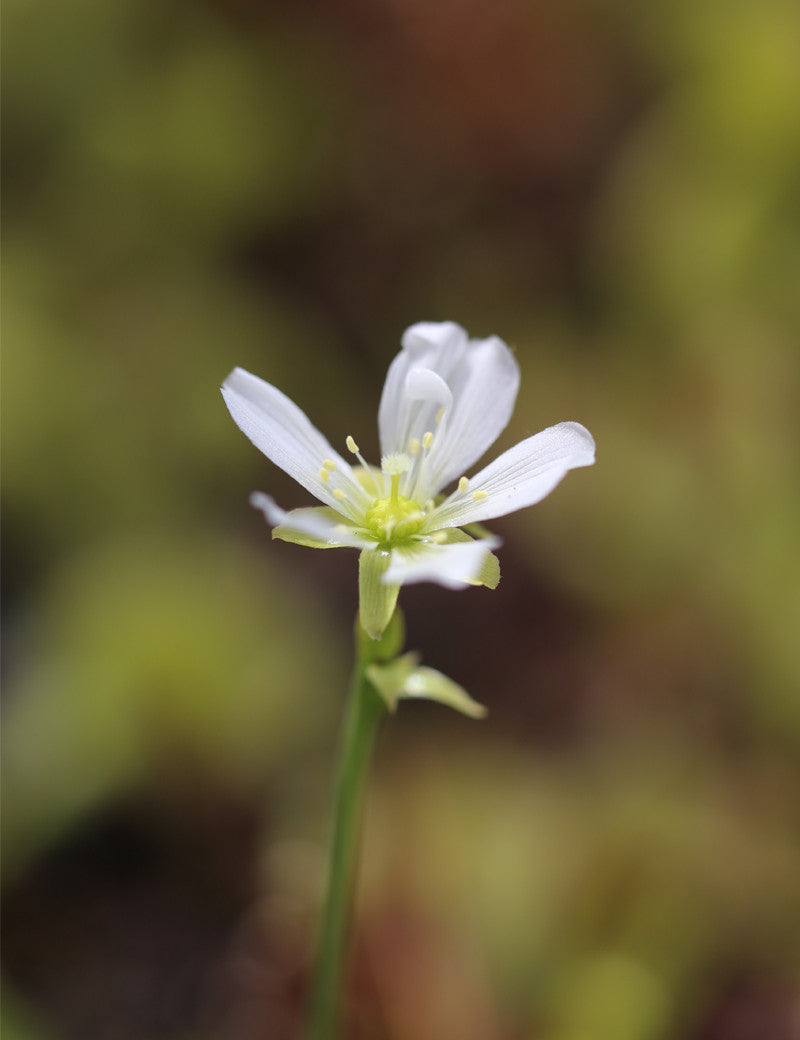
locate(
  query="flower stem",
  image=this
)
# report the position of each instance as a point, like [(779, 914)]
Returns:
[(364, 710)]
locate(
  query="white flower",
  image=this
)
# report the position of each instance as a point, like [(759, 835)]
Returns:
[(445, 401)]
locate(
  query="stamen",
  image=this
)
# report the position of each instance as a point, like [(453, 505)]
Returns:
[(463, 485), (478, 495), (427, 440), (440, 415), (324, 476), (353, 447), (438, 538), (338, 494), (329, 464), (414, 446)]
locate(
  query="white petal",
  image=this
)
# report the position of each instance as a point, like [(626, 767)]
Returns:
[(440, 336), (484, 387), (453, 566), (311, 523), (434, 346), (283, 432), (481, 378), (520, 477), (423, 384)]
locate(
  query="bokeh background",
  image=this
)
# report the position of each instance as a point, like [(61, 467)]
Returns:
[(614, 188)]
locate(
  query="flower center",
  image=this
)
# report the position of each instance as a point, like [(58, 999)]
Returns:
[(395, 517)]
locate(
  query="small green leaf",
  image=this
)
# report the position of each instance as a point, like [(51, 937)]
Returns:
[(389, 679), (405, 678)]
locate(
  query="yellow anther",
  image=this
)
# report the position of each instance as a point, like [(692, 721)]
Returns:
[(338, 494), (329, 464), (414, 446), (463, 485), (324, 476), (351, 445), (440, 415), (478, 495), (427, 439), (438, 537)]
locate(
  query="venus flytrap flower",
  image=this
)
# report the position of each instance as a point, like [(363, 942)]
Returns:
[(445, 401)]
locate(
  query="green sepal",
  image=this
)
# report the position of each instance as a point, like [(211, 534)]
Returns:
[(376, 599), (477, 530), (404, 678), (287, 534), (489, 574)]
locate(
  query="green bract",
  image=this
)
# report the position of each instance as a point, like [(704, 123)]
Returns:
[(405, 678)]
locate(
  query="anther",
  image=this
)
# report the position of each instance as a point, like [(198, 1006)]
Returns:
[(414, 446), (440, 415), (338, 494), (329, 464), (427, 439), (478, 495), (324, 476), (353, 447), (463, 485), (438, 537)]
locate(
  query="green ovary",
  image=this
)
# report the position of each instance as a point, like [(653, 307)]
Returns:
[(394, 519)]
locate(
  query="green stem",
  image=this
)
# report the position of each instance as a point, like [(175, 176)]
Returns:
[(364, 710)]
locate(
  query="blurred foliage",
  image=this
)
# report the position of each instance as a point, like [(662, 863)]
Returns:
[(613, 189)]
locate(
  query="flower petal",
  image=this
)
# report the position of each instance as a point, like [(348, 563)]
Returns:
[(435, 346), (317, 526), (455, 565), (520, 477), (462, 391), (484, 387), (283, 432), (489, 574)]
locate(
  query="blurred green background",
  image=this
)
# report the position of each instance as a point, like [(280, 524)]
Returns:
[(615, 190)]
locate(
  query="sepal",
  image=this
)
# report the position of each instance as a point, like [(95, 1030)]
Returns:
[(385, 648), (376, 598)]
